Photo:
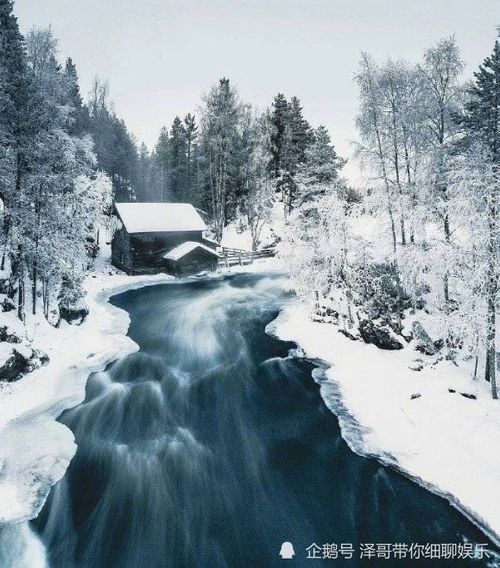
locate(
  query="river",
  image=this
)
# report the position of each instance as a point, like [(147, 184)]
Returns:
[(211, 447)]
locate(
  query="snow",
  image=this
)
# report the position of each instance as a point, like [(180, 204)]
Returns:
[(159, 217), (441, 439), (6, 351), (186, 248), (35, 450), (237, 235), (370, 391)]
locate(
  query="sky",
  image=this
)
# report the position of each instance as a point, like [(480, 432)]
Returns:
[(159, 56)]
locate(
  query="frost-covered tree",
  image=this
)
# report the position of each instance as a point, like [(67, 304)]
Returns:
[(320, 168), (259, 192), (442, 93), (291, 135), (482, 119), (374, 149), (220, 118)]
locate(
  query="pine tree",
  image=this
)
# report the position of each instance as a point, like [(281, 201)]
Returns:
[(191, 131), (78, 119), (115, 147), (14, 126), (220, 119), (322, 163), (291, 135), (161, 159), (278, 138), (178, 160), (483, 120), (300, 134)]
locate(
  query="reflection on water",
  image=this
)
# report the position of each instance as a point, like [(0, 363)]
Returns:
[(211, 447)]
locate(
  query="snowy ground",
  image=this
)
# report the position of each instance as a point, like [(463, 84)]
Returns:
[(444, 441)]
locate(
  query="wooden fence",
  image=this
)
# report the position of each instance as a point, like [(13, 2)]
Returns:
[(232, 256)]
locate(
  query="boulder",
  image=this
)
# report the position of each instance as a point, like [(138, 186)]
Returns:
[(37, 360), (13, 366), (379, 336), (7, 305), (423, 342), (5, 285), (416, 365), (74, 316), (8, 337)]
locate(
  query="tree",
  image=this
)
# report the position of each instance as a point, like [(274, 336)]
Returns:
[(258, 194), (191, 133), (16, 90), (440, 74), (320, 168), (482, 119), (370, 124), (161, 159), (289, 139), (279, 135), (178, 160), (220, 117), (115, 148)]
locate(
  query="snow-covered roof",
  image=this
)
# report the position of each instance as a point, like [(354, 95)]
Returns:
[(159, 217), (185, 248)]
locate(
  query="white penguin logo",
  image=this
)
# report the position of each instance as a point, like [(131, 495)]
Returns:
[(287, 552)]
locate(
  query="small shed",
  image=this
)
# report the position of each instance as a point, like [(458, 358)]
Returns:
[(150, 231), (190, 257)]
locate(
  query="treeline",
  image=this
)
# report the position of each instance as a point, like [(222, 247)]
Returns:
[(423, 231), (63, 160), (53, 192), (231, 159)]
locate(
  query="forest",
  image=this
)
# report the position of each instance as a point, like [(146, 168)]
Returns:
[(418, 236)]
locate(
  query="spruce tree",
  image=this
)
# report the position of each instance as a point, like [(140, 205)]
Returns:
[(161, 159), (278, 142), (321, 167), (191, 132), (178, 160), (78, 119), (482, 120)]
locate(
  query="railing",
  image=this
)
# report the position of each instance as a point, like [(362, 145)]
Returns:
[(232, 256)]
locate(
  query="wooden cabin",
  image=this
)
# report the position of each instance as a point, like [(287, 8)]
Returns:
[(162, 237)]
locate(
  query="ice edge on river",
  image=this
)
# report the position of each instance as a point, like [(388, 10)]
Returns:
[(293, 324), (35, 449)]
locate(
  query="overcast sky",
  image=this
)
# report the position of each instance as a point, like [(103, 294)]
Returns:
[(160, 55)]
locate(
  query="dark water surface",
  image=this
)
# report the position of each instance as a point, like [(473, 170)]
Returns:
[(210, 447)]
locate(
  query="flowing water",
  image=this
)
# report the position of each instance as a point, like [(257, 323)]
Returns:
[(211, 446)]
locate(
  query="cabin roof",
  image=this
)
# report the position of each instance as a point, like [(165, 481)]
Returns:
[(159, 217), (185, 248)]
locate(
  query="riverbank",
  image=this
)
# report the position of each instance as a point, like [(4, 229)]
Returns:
[(404, 418), (35, 449), (415, 421)]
